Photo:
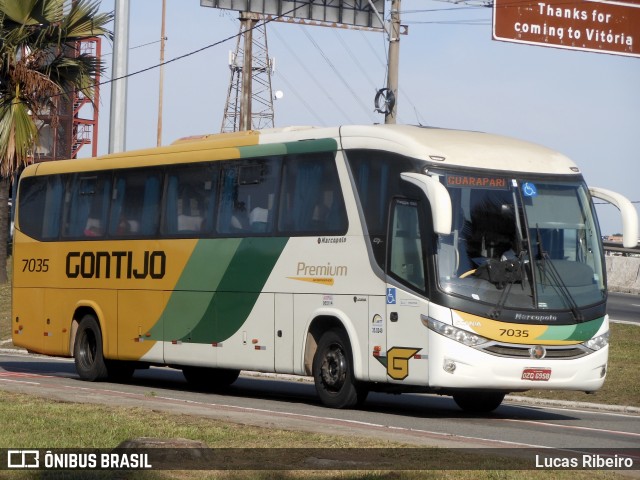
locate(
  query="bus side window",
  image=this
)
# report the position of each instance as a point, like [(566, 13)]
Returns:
[(232, 214), (190, 200), (312, 199), (135, 203), (87, 205), (406, 260), (247, 196), (41, 206)]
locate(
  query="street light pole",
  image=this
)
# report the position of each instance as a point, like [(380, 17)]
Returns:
[(118, 117)]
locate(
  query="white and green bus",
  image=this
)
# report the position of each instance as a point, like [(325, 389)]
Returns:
[(373, 258)]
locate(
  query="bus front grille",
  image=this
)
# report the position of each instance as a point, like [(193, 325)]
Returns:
[(522, 351)]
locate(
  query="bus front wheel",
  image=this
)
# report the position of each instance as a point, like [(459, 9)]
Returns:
[(478, 402), (333, 372), (87, 351)]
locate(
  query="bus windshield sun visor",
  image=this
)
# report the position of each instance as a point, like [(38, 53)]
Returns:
[(439, 198)]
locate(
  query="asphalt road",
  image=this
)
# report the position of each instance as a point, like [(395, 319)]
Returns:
[(423, 420), (624, 307)]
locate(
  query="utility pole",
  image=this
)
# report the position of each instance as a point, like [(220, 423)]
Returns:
[(161, 88), (394, 61), (248, 21)]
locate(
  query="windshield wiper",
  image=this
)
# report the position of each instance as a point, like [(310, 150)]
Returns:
[(506, 287), (549, 270)]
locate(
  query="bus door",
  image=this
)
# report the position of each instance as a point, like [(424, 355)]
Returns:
[(406, 356)]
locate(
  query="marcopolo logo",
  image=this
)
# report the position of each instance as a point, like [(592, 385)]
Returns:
[(332, 240)]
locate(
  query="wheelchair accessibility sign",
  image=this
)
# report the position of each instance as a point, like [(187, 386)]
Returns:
[(391, 296), (529, 189)]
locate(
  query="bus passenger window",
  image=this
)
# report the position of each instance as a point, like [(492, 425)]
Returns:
[(190, 198), (40, 206), (87, 205), (311, 199), (135, 203), (247, 196)]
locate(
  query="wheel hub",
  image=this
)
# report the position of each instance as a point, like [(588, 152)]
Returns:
[(334, 369)]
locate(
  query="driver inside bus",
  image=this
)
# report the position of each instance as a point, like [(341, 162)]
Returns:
[(490, 236), (492, 233)]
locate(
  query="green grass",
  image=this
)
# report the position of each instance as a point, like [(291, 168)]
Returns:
[(622, 385), (33, 422)]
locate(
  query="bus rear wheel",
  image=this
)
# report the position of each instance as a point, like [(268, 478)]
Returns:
[(87, 351), (478, 402), (333, 372), (209, 379)]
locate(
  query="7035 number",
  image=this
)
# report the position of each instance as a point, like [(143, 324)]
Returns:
[(511, 332), (35, 265)]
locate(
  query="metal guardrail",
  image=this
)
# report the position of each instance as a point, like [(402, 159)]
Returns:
[(618, 248)]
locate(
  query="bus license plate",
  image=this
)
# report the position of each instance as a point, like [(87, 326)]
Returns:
[(536, 374)]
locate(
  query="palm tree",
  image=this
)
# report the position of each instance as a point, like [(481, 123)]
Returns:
[(35, 70)]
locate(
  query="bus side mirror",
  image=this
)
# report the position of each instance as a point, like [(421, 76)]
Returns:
[(627, 211), (439, 198)]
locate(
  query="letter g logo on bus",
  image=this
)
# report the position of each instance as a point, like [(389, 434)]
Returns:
[(398, 361)]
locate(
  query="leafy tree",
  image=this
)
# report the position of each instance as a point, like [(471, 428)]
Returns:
[(35, 71)]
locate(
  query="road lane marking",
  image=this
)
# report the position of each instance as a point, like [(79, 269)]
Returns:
[(23, 374), (571, 427), (18, 381)]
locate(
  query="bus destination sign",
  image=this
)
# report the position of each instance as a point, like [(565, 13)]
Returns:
[(595, 26)]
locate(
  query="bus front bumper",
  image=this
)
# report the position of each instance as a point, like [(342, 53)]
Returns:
[(454, 365)]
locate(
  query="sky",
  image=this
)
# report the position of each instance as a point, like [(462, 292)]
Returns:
[(452, 74)]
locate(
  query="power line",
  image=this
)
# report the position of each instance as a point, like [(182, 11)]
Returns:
[(313, 77), (473, 22), (302, 100), (338, 74), (136, 47), (354, 58)]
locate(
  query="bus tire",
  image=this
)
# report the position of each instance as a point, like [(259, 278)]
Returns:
[(87, 351), (333, 372), (478, 402), (209, 379)]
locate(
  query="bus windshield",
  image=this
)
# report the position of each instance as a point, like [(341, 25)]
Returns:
[(521, 244)]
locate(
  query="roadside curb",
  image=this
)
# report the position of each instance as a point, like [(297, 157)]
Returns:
[(545, 402)]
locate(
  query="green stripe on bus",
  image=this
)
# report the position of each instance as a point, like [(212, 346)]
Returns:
[(305, 146), (220, 286), (579, 332)]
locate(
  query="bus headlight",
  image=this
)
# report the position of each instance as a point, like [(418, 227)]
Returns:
[(596, 343), (469, 339)]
